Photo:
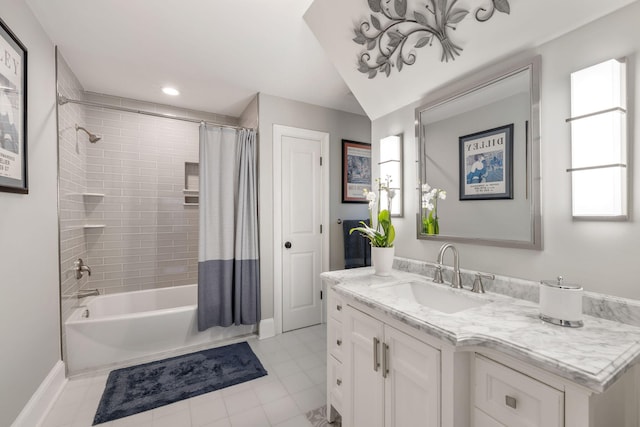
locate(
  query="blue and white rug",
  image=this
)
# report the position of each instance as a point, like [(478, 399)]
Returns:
[(151, 385)]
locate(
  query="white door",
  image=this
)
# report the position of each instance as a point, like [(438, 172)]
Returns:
[(302, 196)]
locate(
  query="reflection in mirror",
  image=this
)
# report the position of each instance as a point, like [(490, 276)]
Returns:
[(391, 168), (481, 146)]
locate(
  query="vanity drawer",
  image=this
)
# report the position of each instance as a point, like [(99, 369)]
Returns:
[(334, 339), (514, 399), (335, 385), (336, 306)]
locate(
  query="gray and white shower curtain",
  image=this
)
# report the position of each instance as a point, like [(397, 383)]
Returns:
[(228, 262)]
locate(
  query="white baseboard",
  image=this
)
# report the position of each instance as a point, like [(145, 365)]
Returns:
[(38, 406), (267, 328)]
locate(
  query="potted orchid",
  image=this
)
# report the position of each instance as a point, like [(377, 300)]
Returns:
[(381, 234), (430, 197)]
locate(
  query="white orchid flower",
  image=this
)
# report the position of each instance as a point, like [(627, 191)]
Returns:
[(442, 195), (391, 194), (425, 187)]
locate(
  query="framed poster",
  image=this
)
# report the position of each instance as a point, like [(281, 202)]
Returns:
[(13, 113), (486, 164), (356, 171)]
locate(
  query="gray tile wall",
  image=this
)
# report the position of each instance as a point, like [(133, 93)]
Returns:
[(150, 238), (72, 184)]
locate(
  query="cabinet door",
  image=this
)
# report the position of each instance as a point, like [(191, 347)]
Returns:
[(364, 386), (412, 387)]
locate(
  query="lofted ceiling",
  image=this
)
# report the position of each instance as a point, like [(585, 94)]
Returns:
[(529, 24), (219, 54)]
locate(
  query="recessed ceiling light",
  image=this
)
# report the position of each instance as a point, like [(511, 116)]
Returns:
[(170, 91)]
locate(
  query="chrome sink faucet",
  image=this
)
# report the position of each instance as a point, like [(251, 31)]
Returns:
[(456, 280)]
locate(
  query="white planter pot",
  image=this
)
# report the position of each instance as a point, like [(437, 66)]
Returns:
[(382, 260)]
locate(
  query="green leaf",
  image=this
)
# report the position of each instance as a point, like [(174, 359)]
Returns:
[(422, 20), (384, 216), (457, 15), (376, 23), (502, 6), (391, 235), (423, 42)]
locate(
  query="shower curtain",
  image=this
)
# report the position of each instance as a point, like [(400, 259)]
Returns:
[(228, 264)]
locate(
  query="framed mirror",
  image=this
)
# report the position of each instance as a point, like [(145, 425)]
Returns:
[(481, 146)]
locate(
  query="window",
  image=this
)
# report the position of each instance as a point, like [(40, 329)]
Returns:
[(599, 141)]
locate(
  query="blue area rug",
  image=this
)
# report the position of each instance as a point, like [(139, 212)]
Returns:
[(143, 387)]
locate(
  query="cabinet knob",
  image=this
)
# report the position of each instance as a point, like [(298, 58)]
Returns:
[(510, 402), (339, 307), (339, 381), (339, 342)]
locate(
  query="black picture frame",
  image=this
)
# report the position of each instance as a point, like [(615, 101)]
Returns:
[(356, 171), (493, 150), (13, 113)]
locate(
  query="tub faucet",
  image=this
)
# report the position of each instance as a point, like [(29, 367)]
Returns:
[(456, 280), (79, 266), (87, 293)]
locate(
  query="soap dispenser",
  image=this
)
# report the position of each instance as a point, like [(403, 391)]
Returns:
[(561, 303)]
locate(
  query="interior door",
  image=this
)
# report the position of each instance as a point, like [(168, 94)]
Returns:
[(302, 199)]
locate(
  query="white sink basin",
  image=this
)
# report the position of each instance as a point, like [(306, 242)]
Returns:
[(435, 297)]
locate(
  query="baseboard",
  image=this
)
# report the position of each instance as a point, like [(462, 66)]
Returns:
[(267, 328), (36, 409)]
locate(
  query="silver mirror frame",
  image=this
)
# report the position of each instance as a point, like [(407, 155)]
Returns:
[(532, 152)]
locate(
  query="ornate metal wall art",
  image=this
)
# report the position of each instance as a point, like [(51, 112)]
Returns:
[(395, 33)]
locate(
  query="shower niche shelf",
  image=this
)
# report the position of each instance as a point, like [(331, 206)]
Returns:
[(191, 184)]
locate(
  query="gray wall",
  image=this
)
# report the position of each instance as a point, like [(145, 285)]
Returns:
[(602, 256), (339, 125), (29, 309)]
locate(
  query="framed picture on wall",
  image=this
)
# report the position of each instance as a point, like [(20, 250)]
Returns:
[(356, 171), (486, 164), (13, 112)]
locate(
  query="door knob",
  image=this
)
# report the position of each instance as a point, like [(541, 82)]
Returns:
[(287, 245)]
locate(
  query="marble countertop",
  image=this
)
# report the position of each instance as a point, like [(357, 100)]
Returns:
[(594, 356)]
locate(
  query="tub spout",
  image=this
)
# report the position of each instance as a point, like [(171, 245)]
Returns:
[(87, 293)]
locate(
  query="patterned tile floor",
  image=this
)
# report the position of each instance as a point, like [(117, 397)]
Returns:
[(296, 384)]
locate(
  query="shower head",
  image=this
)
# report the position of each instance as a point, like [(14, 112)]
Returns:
[(93, 138)]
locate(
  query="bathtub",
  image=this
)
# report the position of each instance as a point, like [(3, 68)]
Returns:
[(110, 330)]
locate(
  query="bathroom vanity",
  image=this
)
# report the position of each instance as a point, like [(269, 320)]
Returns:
[(404, 351)]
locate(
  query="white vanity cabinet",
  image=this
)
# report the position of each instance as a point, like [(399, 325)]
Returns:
[(382, 372), (391, 379), (504, 397)]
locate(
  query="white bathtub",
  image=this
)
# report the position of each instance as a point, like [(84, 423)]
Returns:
[(135, 325)]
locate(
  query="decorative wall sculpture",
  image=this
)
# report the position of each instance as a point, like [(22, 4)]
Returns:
[(395, 33)]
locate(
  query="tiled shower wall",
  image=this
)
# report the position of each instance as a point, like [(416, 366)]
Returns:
[(150, 237), (121, 199), (72, 184)]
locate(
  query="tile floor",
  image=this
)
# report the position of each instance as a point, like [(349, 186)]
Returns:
[(296, 383)]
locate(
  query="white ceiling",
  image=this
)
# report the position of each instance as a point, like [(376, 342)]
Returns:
[(219, 54)]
